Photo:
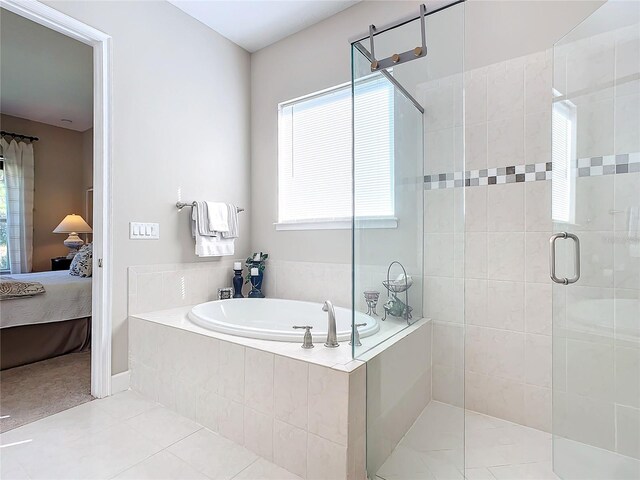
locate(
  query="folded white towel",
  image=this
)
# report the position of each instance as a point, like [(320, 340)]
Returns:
[(210, 246), (233, 222), (214, 246), (218, 216), (203, 219)]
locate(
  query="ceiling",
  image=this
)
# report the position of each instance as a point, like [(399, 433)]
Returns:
[(44, 76), (256, 24)]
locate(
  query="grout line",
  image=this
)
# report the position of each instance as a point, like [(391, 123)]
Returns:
[(258, 457)]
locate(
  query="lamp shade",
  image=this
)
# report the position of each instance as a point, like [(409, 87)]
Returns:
[(73, 224)]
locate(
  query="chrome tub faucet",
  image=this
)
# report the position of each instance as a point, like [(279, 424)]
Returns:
[(332, 336), (308, 339)]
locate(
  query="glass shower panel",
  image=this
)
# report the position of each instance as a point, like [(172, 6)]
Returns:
[(596, 206), (415, 362), (388, 203)]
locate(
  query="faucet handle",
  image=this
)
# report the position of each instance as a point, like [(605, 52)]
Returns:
[(355, 337), (308, 339)]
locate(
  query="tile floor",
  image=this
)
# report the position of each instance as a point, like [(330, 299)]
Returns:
[(494, 449), (126, 437)]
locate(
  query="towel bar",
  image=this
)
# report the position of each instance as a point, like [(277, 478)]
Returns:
[(181, 205)]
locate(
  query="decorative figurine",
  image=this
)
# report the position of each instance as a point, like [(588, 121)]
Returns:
[(371, 298), (237, 280)]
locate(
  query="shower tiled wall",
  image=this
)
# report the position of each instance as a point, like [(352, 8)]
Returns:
[(499, 259), (444, 235), (507, 287)]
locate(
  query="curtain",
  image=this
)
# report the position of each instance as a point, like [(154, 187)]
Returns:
[(19, 175)]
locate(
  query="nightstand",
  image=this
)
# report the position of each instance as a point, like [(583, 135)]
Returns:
[(60, 263)]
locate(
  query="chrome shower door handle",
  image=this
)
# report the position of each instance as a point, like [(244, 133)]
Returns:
[(576, 263), (552, 258)]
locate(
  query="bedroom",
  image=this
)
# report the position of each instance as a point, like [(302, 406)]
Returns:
[(46, 213)]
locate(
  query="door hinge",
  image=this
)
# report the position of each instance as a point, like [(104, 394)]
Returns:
[(100, 263)]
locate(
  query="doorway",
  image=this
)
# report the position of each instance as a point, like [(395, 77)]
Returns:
[(100, 145)]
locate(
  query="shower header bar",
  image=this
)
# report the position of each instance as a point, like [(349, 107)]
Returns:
[(405, 20), (390, 77), (398, 58)]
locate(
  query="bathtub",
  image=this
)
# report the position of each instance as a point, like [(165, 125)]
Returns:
[(273, 319)]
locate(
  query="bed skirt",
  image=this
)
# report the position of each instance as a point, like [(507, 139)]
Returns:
[(33, 343)]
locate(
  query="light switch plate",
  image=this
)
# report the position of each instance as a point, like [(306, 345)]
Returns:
[(144, 231)]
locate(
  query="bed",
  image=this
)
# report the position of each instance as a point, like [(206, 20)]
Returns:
[(46, 325)]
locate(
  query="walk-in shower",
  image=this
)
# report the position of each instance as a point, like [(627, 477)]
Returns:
[(483, 367)]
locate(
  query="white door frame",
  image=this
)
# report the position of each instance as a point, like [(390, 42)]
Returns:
[(101, 329)]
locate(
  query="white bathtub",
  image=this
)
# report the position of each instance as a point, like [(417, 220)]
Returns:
[(273, 319)]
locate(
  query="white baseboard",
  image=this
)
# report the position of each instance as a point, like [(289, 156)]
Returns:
[(120, 382)]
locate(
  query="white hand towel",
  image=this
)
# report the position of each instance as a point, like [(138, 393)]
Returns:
[(209, 246), (233, 222), (218, 216), (203, 219)]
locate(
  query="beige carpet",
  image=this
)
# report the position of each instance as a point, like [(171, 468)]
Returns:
[(35, 391)]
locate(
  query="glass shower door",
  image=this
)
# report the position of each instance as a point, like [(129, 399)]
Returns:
[(595, 248)]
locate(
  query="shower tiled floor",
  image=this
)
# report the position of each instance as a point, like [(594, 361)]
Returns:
[(126, 437), (494, 449)]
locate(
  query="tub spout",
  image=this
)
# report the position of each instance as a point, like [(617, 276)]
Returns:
[(332, 336)]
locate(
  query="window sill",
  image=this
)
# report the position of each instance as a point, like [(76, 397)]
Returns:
[(339, 224)]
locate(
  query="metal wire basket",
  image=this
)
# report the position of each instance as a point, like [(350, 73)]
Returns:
[(398, 286)]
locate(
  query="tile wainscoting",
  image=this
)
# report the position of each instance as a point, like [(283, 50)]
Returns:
[(308, 281), (163, 286)]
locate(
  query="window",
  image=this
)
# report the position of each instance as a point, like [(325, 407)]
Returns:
[(315, 157), (563, 155), (4, 250)]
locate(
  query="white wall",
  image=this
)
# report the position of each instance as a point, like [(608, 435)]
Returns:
[(180, 113)]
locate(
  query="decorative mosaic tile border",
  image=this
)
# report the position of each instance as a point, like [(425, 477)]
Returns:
[(587, 167), (609, 165), (489, 176)]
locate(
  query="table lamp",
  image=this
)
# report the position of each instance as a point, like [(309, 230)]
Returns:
[(73, 225)]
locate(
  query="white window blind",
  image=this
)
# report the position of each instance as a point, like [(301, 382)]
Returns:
[(314, 154), (374, 148), (563, 155)]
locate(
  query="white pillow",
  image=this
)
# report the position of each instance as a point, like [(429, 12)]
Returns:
[(82, 263)]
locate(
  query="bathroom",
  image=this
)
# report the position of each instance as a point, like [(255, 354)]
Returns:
[(504, 134)]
